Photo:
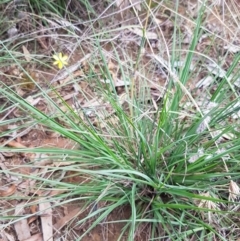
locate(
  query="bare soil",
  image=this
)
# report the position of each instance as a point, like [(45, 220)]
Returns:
[(66, 216)]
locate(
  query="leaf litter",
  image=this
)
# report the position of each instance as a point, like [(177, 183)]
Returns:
[(67, 80)]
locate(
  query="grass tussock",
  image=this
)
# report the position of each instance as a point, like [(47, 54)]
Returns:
[(137, 123)]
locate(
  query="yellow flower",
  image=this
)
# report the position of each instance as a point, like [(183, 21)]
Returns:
[(60, 60)]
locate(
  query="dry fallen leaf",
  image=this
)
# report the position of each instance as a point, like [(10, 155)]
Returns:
[(234, 191), (229, 136), (7, 236), (63, 221), (113, 70), (46, 220), (15, 144), (216, 70), (128, 3), (205, 82), (35, 237), (26, 53), (147, 34), (120, 83), (232, 48), (76, 74), (6, 192), (21, 226), (33, 210)]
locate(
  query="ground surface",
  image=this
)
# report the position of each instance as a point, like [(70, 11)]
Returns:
[(77, 91)]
